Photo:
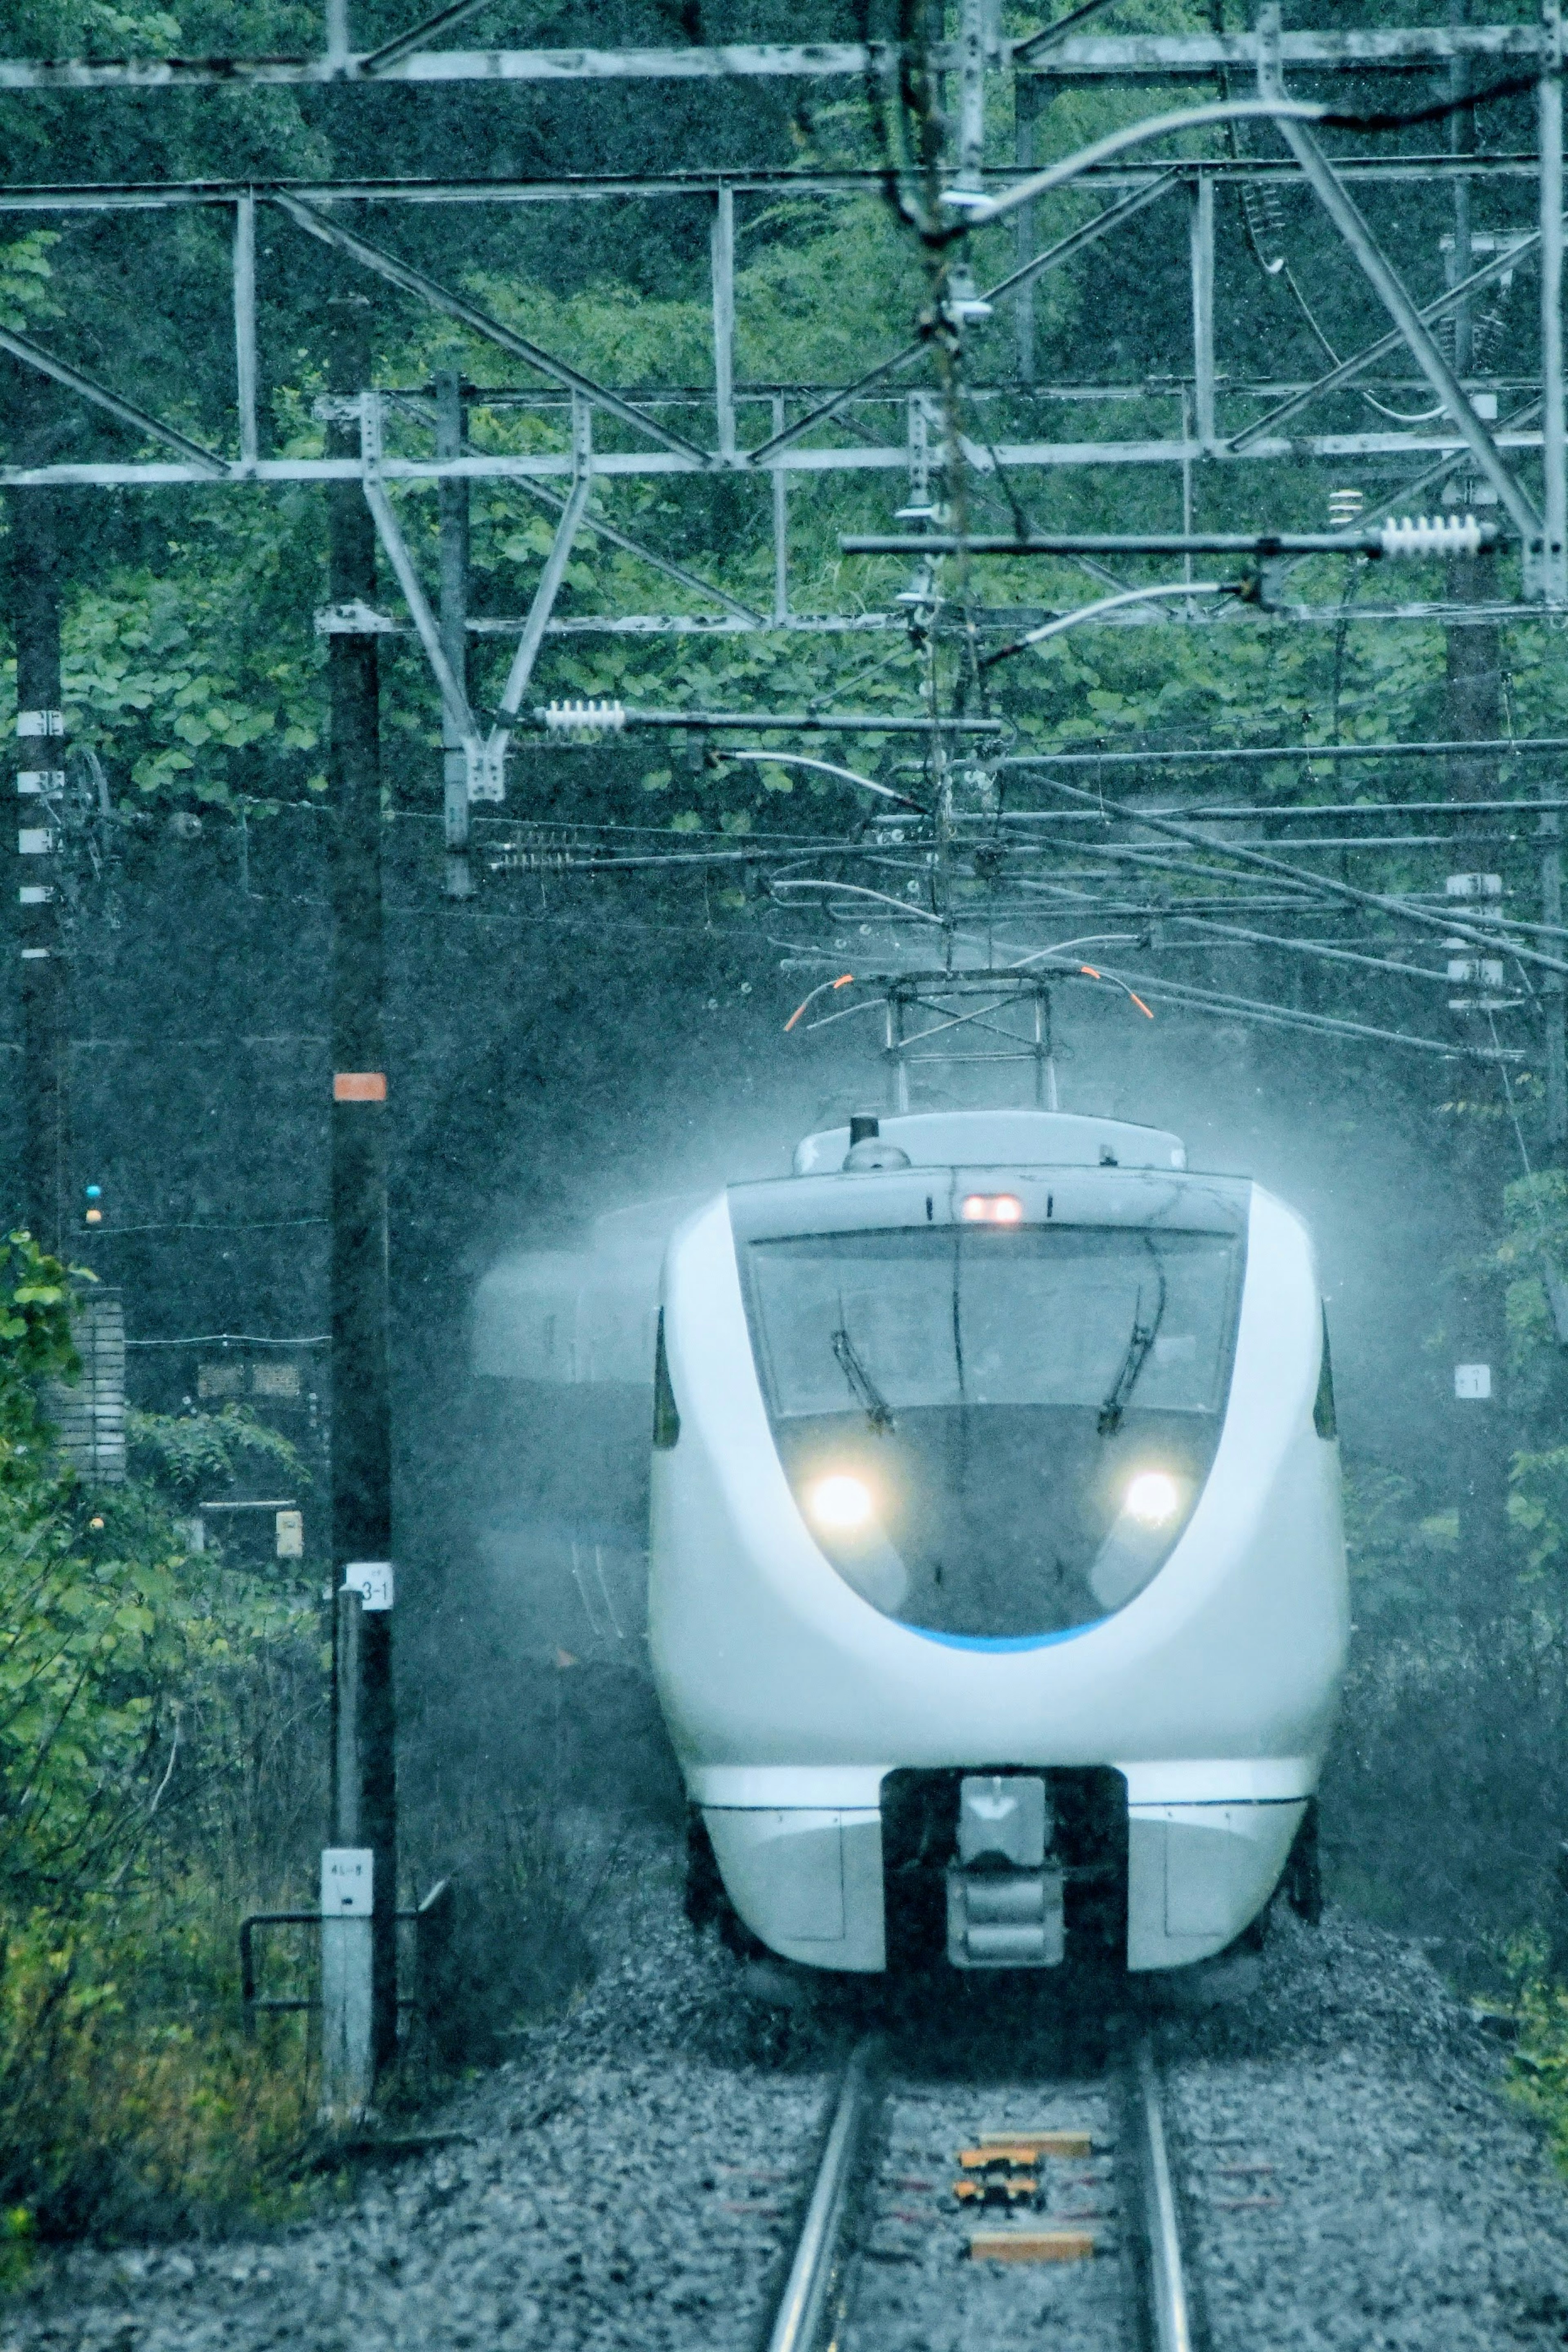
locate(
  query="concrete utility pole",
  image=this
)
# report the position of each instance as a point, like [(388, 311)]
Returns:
[(364, 1775), (1475, 1405), (35, 597)]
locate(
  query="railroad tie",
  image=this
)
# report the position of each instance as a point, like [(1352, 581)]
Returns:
[(1053, 2242), (1003, 2169)]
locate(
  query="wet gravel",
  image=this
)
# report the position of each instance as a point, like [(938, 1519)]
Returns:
[(632, 2177), (1351, 2173)]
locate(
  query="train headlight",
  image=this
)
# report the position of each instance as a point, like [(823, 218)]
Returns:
[(1152, 1498), (840, 1504)]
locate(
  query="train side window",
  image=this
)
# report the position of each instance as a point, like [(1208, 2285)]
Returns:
[(665, 1415), (1324, 1419)]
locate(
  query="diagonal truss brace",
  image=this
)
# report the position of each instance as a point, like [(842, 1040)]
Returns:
[(1064, 249), (480, 322), (549, 588), (1345, 371), (418, 37), (86, 388), (1348, 219), (629, 546), (484, 753)]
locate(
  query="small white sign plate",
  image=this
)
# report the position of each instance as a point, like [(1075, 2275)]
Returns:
[(1474, 1380), (372, 1579), (347, 1871)]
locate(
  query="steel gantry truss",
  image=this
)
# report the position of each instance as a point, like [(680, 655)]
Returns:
[(1491, 434), (1223, 417)]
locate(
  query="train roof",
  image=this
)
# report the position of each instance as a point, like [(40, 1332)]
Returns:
[(1002, 1138)]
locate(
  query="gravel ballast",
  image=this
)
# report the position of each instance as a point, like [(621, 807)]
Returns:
[(1350, 2176), (631, 2178), (1351, 2173)]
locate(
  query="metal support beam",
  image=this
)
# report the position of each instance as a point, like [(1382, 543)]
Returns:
[(480, 322), (1182, 57), (451, 436), (972, 54), (348, 1935), (744, 60), (781, 526), (544, 595), (245, 326), (336, 56), (1026, 114), (723, 259), (1053, 257), (661, 563), (1454, 304), (1259, 545), (1202, 240), (444, 20), (33, 355), (1347, 218), (1441, 444), (32, 928), (1132, 57), (1554, 580), (454, 700), (1461, 143), (1393, 169), (1551, 986)]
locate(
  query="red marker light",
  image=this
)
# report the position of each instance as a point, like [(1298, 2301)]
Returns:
[(992, 1209)]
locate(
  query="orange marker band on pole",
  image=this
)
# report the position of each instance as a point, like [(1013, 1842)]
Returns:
[(359, 1086)]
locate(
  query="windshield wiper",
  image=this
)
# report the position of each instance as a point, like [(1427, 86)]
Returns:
[(1138, 1346), (877, 1409)]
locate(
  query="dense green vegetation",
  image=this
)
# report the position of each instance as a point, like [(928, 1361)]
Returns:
[(160, 1710), (151, 1701)]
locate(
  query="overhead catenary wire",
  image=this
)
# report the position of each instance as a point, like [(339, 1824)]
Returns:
[(1207, 924), (1285, 1016), (1323, 884), (1102, 756), (1065, 621), (845, 979), (827, 768)]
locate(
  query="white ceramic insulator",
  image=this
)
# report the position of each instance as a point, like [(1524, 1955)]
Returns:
[(585, 717), (1432, 535)]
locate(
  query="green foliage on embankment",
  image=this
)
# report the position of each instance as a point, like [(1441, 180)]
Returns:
[(151, 1704)]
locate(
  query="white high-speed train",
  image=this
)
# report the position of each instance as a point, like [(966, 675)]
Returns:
[(997, 1597)]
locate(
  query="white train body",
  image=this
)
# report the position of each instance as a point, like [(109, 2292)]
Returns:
[(1012, 1467)]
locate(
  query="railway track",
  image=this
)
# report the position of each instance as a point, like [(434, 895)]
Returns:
[(980, 2205)]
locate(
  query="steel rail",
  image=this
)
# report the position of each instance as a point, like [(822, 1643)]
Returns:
[(1167, 2279), (798, 2319)]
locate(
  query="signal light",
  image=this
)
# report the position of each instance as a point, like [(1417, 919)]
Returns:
[(94, 1213), (992, 1209)]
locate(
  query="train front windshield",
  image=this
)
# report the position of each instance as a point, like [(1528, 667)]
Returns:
[(996, 1433)]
